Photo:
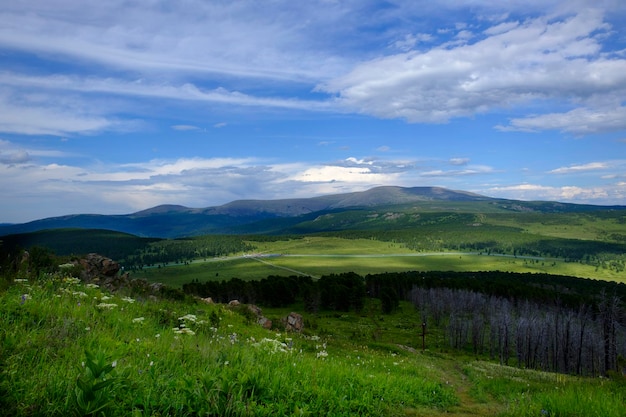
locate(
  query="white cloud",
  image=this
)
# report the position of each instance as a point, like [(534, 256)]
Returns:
[(246, 39), (579, 121), (470, 170), (592, 166), (515, 64), (602, 195), (185, 128), (459, 161)]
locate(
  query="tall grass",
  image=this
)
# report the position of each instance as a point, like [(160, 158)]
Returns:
[(530, 393), (67, 348), (72, 349)]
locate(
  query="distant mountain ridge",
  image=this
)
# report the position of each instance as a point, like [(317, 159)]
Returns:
[(263, 216)]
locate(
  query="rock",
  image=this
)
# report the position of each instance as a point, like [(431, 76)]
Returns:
[(97, 266), (260, 318), (105, 272), (255, 310), (294, 322), (234, 303), (207, 300), (265, 322)]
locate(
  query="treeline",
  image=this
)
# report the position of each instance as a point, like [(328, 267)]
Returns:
[(181, 251), (588, 340), (131, 251), (341, 292), (539, 321), (539, 287)]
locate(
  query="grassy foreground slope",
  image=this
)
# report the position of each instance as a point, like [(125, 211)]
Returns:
[(72, 349)]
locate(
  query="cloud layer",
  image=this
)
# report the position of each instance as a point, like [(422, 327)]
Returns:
[(119, 105)]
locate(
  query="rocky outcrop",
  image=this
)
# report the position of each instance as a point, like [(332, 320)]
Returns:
[(105, 272), (260, 318), (294, 322)]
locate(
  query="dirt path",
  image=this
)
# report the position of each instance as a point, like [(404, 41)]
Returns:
[(468, 406)]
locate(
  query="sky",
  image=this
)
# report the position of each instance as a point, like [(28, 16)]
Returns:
[(116, 106)]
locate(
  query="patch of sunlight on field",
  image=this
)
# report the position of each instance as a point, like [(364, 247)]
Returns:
[(325, 264), (330, 245)]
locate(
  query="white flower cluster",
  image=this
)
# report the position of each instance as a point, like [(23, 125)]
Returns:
[(106, 306), (182, 326), (271, 345), (71, 280)]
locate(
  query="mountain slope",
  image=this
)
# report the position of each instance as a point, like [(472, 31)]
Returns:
[(274, 216)]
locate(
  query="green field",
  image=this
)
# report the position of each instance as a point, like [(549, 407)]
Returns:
[(317, 256)]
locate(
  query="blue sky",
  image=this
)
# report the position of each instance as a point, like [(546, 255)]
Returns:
[(115, 106)]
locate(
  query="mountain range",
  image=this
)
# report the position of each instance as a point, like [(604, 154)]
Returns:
[(281, 216)]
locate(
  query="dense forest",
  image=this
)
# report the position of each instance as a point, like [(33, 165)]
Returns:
[(539, 321)]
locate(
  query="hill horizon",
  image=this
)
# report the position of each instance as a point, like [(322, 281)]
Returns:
[(172, 220)]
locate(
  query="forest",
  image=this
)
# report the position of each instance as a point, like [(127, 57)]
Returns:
[(536, 321)]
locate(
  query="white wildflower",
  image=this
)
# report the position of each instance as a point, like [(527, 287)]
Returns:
[(71, 280), (271, 345), (183, 330), (106, 306), (138, 320), (128, 300), (188, 317), (322, 354)]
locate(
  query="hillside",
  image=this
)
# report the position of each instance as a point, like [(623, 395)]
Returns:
[(287, 215), (74, 348)]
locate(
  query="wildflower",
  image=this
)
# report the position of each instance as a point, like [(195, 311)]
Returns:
[(87, 328), (25, 297), (79, 294), (151, 363), (71, 280), (322, 354), (158, 335), (183, 330), (106, 306), (128, 300), (188, 317), (138, 320), (271, 345), (92, 285), (20, 280), (105, 298), (114, 364)]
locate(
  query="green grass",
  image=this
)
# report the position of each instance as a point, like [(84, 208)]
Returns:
[(71, 349), (327, 255)]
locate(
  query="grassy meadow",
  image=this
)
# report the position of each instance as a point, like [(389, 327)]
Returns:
[(317, 256), (69, 348)]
